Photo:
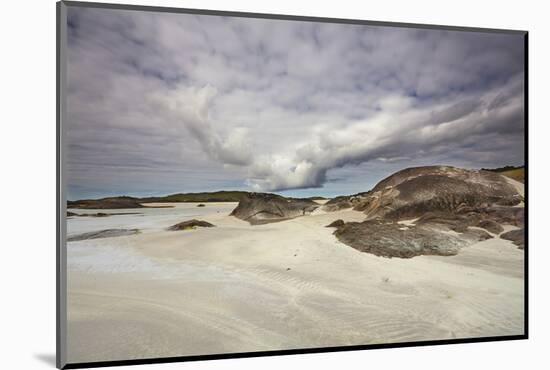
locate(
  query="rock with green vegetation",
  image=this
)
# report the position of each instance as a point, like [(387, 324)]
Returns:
[(189, 225)]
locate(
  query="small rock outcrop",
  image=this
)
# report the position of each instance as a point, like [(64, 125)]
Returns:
[(338, 203), (337, 223), (491, 226), (191, 224), (107, 233), (261, 208), (515, 236)]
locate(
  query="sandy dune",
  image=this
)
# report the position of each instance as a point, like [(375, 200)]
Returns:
[(242, 288)]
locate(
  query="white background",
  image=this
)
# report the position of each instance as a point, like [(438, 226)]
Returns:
[(27, 207)]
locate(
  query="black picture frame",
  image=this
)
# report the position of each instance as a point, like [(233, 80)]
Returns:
[(61, 287)]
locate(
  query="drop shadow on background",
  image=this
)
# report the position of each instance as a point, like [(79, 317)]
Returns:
[(46, 358)]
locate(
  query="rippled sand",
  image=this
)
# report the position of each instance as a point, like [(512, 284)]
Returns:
[(242, 288)]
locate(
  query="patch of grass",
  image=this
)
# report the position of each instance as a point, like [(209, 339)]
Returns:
[(515, 173), (518, 174)]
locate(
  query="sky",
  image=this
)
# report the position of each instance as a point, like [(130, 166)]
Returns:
[(160, 103)]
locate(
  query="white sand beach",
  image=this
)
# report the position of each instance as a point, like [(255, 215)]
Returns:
[(285, 285)]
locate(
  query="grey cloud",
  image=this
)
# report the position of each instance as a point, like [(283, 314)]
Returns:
[(277, 105), (190, 107), (454, 112), (419, 131)]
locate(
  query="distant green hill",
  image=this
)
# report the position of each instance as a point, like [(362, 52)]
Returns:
[(133, 202), (513, 172), (122, 202), (216, 196)]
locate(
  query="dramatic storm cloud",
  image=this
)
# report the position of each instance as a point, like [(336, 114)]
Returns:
[(161, 103)]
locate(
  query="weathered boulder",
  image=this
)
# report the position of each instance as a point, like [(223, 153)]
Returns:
[(445, 208), (413, 192), (515, 236), (338, 203), (336, 223), (391, 239), (191, 224), (261, 208), (491, 226), (505, 215)]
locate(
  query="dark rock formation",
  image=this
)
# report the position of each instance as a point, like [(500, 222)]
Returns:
[(451, 221), (391, 239), (505, 215), (100, 214), (336, 223), (515, 236), (106, 203), (191, 224), (201, 205), (491, 226), (261, 208), (108, 233), (412, 192), (338, 203), (460, 221), (447, 204)]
